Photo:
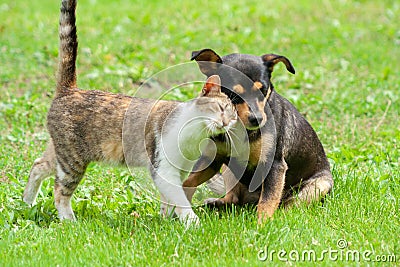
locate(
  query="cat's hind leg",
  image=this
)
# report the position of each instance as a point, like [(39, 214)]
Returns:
[(67, 179), (42, 168)]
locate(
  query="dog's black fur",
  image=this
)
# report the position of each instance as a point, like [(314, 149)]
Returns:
[(300, 171)]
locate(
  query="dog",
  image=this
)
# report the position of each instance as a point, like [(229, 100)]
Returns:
[(285, 154)]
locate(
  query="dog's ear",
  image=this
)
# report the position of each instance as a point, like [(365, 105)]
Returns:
[(208, 61), (212, 86), (271, 59)]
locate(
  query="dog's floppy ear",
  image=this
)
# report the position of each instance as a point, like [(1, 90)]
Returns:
[(271, 59), (208, 61)]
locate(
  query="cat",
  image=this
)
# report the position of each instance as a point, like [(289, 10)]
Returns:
[(87, 126)]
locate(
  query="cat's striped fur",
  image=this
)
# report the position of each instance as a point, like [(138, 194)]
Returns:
[(88, 126)]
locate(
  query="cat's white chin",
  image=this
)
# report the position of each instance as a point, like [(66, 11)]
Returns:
[(216, 130)]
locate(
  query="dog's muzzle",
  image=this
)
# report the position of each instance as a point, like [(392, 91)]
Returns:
[(255, 121)]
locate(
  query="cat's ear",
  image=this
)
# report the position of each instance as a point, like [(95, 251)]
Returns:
[(212, 86)]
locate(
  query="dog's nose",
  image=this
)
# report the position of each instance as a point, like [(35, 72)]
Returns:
[(255, 120)]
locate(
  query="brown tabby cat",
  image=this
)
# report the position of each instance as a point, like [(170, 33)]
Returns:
[(87, 126)]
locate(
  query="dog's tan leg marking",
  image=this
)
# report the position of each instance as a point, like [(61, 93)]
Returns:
[(232, 194), (42, 168), (197, 178), (237, 193), (231, 198), (311, 190), (272, 190)]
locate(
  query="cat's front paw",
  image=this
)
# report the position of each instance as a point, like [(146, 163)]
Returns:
[(167, 211), (191, 219)]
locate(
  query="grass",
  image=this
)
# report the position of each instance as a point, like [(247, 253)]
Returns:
[(346, 58)]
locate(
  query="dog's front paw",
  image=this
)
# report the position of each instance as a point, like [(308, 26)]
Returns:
[(263, 218), (214, 202), (265, 211)]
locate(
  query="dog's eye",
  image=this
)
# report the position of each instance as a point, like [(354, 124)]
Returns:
[(263, 90), (235, 98)]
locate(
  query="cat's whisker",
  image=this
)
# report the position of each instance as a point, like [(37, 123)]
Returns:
[(212, 126), (235, 135), (208, 127), (232, 143), (200, 120), (208, 131), (197, 120), (228, 140)]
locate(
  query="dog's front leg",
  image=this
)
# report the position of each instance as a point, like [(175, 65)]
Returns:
[(202, 172), (272, 190)]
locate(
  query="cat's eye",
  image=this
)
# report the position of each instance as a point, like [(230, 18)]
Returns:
[(229, 107), (221, 108)]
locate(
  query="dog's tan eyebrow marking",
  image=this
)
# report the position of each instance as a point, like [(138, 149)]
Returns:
[(238, 89), (257, 86), (261, 105)]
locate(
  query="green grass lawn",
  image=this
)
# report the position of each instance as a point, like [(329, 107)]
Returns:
[(346, 55)]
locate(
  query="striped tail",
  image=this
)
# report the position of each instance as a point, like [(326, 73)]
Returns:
[(66, 78)]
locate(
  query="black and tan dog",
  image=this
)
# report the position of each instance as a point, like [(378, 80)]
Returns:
[(285, 152)]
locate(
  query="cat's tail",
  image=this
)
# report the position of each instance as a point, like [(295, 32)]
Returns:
[(66, 76)]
